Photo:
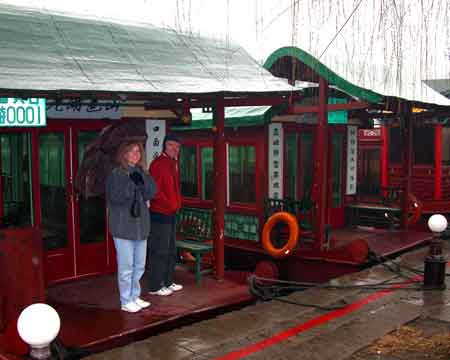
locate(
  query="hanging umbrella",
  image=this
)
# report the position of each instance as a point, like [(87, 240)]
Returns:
[(99, 157)]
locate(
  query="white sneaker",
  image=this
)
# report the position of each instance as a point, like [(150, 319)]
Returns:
[(175, 287), (131, 307), (161, 292), (142, 303)]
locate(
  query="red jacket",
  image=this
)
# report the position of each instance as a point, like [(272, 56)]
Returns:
[(164, 171)]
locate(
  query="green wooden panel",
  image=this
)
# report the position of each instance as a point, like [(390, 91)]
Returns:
[(243, 227), (337, 117), (195, 224)]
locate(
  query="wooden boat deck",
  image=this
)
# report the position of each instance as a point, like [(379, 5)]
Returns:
[(383, 242), (91, 317)]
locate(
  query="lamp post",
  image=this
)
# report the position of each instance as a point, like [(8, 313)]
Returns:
[(435, 263), (38, 325)]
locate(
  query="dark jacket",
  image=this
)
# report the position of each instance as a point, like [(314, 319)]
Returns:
[(120, 192), (167, 200)]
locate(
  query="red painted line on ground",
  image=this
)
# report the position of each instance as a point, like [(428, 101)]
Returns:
[(319, 320)]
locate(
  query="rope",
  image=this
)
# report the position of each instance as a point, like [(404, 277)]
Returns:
[(266, 289)]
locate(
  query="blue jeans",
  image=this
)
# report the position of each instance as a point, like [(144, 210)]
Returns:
[(131, 256)]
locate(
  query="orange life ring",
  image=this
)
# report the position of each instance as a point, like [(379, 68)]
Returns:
[(292, 223), (414, 211)]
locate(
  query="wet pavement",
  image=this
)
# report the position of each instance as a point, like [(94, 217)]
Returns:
[(387, 322)]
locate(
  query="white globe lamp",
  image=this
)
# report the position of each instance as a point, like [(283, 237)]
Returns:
[(437, 223), (435, 263), (38, 325)]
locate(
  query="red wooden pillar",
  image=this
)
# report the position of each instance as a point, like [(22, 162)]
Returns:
[(320, 166), (220, 186), (21, 271), (437, 162), (407, 127), (384, 156)]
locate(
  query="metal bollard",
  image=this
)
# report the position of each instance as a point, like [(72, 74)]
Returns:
[(435, 263)]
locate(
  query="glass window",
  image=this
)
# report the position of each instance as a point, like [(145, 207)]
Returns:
[(242, 165), (92, 210), (207, 163), (291, 166), (307, 164), (423, 138), (423, 145), (395, 145), (188, 171), (369, 181), (336, 170), (16, 181), (52, 177)]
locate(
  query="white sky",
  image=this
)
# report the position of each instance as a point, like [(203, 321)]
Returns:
[(386, 42)]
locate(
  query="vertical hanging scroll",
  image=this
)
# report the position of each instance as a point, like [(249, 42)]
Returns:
[(156, 130), (352, 158), (275, 175)]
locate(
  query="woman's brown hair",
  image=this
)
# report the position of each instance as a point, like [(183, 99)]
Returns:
[(125, 148)]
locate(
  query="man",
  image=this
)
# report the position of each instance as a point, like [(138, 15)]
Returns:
[(163, 209)]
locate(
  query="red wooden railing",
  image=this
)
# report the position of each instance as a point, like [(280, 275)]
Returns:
[(423, 186)]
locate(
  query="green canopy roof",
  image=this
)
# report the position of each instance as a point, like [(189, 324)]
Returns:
[(234, 117), (42, 50), (412, 90), (243, 116), (324, 72)]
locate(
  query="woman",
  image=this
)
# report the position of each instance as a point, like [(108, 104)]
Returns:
[(128, 191)]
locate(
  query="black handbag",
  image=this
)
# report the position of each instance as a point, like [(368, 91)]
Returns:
[(135, 210)]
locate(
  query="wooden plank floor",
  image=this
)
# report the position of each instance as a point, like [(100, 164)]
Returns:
[(91, 316), (381, 241)]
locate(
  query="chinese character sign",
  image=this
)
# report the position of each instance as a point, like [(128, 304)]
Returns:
[(275, 174), (17, 112), (76, 109), (156, 130), (352, 158)]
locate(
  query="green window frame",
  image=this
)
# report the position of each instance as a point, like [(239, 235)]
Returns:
[(197, 171)]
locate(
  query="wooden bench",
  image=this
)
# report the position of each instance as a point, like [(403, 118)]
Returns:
[(194, 235), (371, 214)]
